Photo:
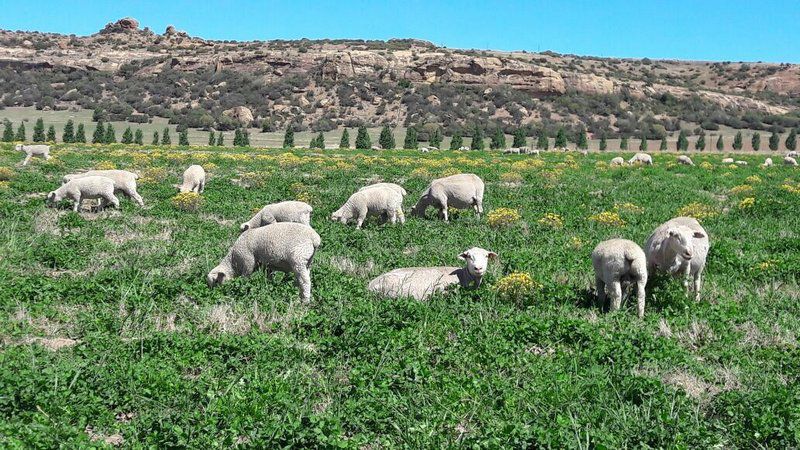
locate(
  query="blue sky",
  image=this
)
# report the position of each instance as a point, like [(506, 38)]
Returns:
[(766, 30)]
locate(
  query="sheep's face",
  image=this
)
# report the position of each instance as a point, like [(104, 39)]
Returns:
[(183, 189), (18, 147), (477, 260), (53, 198), (419, 209), (217, 276), (680, 241), (339, 216)]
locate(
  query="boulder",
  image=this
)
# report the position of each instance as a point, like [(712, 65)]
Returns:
[(123, 25), (241, 114)]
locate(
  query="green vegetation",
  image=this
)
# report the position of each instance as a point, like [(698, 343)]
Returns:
[(477, 139), (643, 144), (683, 142), (411, 140), (456, 142), (386, 140), (8, 131), (498, 140), (183, 137), (318, 142), (623, 143), (561, 138), (165, 139), (738, 141), (344, 142), (99, 135), (700, 144), (111, 136), (603, 144), (542, 143), (363, 141), (68, 135), (791, 140), (51, 134), (80, 134), (663, 146), (38, 130), (720, 143), (138, 137), (583, 142), (755, 142), (774, 141)]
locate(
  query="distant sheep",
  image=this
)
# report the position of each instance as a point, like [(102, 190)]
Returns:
[(289, 211), (80, 189), (641, 158), (727, 160), (789, 161), (33, 150), (459, 191), (685, 160), (767, 162), (124, 182), (793, 154), (375, 201), (194, 180), (679, 247), (618, 262), (740, 163), (618, 161), (463, 148), (511, 151)]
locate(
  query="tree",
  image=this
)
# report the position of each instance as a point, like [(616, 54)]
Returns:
[(683, 142), (520, 138), (737, 141), (755, 141), (774, 141), (155, 137), (38, 130), (643, 144), (20, 136), (720, 143), (583, 142), (98, 115), (456, 142), (363, 141), (8, 131), (663, 146), (80, 134), (51, 133), (436, 138), (220, 139), (477, 139), (411, 141), (183, 138), (138, 137), (127, 136), (111, 137), (165, 139), (791, 140), (68, 135), (561, 139), (237, 138), (288, 137), (318, 142), (99, 135), (603, 143), (345, 141), (623, 143), (211, 140), (542, 143), (498, 139), (386, 139), (701, 142)]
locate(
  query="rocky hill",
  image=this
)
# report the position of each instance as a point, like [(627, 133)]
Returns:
[(134, 73)]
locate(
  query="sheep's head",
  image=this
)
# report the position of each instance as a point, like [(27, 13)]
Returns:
[(477, 260), (681, 241), (218, 275), (244, 227), (419, 209), (339, 216), (183, 188), (18, 147), (53, 198)]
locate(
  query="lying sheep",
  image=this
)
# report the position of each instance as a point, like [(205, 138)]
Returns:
[(679, 247), (789, 161), (194, 180), (793, 154), (463, 148), (618, 262), (283, 246), (641, 158), (618, 161), (422, 282), (290, 211), (727, 160), (424, 150), (84, 188), (373, 201), (767, 162), (33, 150), (685, 160), (740, 163), (124, 182), (392, 186), (459, 191)]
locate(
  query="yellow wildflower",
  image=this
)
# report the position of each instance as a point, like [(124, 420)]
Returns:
[(608, 218), (747, 203), (501, 217), (187, 201), (698, 210), (516, 286), (741, 189), (552, 220)]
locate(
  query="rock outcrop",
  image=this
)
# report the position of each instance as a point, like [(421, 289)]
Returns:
[(241, 114)]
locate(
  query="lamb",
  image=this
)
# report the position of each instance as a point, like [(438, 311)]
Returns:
[(767, 162), (290, 211), (619, 262), (727, 160), (393, 186), (85, 188), (789, 161), (124, 182), (382, 201), (33, 150), (618, 161), (641, 158), (459, 191), (194, 180), (283, 246), (740, 163), (793, 154), (685, 160), (422, 282), (679, 247)]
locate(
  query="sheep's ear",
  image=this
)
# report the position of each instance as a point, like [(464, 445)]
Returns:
[(244, 227), (672, 232), (699, 235), (492, 255), (464, 256), (220, 277), (51, 196)]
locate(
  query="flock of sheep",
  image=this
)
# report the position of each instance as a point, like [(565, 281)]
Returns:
[(279, 236)]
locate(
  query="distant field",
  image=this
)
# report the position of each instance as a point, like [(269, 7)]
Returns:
[(108, 330)]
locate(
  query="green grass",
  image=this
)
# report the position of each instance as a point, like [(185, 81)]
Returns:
[(163, 361)]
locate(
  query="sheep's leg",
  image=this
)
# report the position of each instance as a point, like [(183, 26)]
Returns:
[(46, 156), (103, 203), (616, 295), (360, 220), (303, 277), (686, 275), (76, 205), (601, 291), (202, 186), (27, 160), (392, 217), (401, 216), (137, 198), (640, 297), (698, 281)]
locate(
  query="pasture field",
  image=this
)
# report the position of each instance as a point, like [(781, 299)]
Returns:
[(110, 336)]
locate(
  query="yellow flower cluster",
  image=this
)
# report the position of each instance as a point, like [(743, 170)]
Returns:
[(6, 173), (706, 165), (153, 175), (601, 165), (254, 179), (4, 184), (302, 193), (209, 167), (527, 164), (742, 188), (768, 264), (608, 218), (747, 203), (450, 171), (698, 210), (420, 172), (105, 165), (187, 201), (502, 217), (552, 220), (576, 243), (516, 286), (753, 179), (628, 207), (733, 166), (511, 177), (788, 187)]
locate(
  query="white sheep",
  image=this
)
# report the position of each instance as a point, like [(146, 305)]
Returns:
[(289, 211), (619, 262), (727, 160), (533, 151), (789, 161), (740, 163), (422, 282), (124, 181), (393, 186), (767, 162), (283, 246), (685, 160), (511, 151), (641, 158), (618, 161), (84, 188), (194, 179), (463, 148), (524, 150), (459, 191), (33, 150), (584, 152), (679, 247), (424, 150), (376, 201), (793, 154)]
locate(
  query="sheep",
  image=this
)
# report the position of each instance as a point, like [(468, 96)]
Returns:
[(290, 211), (460, 191), (124, 182), (283, 246), (727, 160), (679, 247), (740, 163), (618, 161), (33, 150), (685, 160), (424, 150), (463, 148), (641, 158), (793, 154), (584, 152), (533, 151), (789, 161), (194, 180), (433, 147), (511, 151), (422, 282), (619, 262), (767, 162), (524, 150), (383, 201), (392, 186), (85, 188)]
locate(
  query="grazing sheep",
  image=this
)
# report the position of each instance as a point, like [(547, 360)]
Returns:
[(740, 163), (424, 150), (283, 246), (727, 160), (533, 151), (679, 247), (124, 181), (84, 188), (524, 150), (511, 151), (375, 147), (793, 154), (380, 201), (641, 158), (459, 191), (393, 186), (767, 162), (33, 150), (290, 211), (618, 161), (463, 148), (432, 147), (584, 152), (685, 160), (618, 262), (789, 161), (194, 180), (422, 282)]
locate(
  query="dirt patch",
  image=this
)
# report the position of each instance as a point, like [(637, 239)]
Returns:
[(698, 334), (777, 336), (46, 222), (53, 344), (114, 440), (219, 220), (348, 266), (664, 329), (120, 237), (689, 383)]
